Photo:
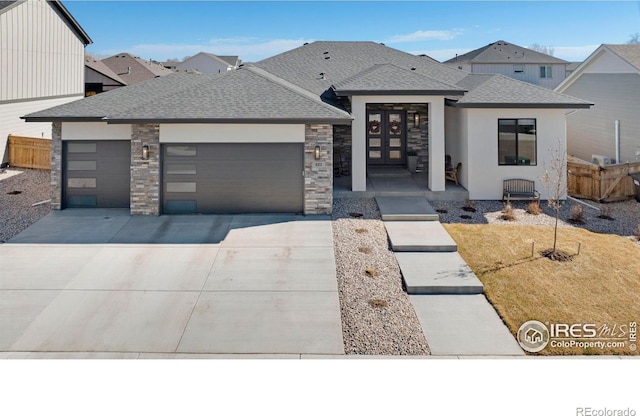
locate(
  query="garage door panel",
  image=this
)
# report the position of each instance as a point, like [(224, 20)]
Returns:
[(234, 178), (96, 174)]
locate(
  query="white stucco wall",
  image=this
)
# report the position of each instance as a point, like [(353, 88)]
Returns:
[(455, 140), (95, 131), (483, 177), (232, 133), (359, 142)]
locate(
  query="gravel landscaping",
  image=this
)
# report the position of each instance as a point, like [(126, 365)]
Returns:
[(377, 316), (17, 194)]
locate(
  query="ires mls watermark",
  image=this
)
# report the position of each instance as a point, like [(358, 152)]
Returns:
[(534, 336), (590, 411)]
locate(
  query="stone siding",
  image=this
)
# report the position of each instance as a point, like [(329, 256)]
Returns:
[(56, 165), (318, 174), (145, 174)]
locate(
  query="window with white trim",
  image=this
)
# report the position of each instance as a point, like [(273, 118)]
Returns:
[(545, 71)]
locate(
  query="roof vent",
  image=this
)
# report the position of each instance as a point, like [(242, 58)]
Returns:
[(382, 44), (413, 69), (306, 43), (322, 75), (325, 52), (327, 57)]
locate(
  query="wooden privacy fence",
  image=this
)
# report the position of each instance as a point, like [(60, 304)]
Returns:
[(600, 183), (29, 152)]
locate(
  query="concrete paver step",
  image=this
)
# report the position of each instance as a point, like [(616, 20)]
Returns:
[(463, 325), (406, 208), (419, 236), (437, 273)]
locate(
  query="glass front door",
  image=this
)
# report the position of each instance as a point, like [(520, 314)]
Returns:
[(386, 137)]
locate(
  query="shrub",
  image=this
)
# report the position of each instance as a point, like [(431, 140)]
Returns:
[(361, 230), (605, 213), (577, 214), (469, 206), (534, 208), (365, 250), (508, 214), (378, 303), (371, 272)]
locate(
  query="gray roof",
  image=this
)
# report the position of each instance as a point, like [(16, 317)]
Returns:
[(571, 66), (141, 70), (101, 68), (502, 52), (244, 95), (391, 79), (210, 56), (628, 52), (56, 4), (499, 91)]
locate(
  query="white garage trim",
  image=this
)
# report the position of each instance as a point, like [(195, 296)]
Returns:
[(232, 133), (95, 131)]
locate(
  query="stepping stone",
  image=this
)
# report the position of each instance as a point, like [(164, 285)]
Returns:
[(406, 208), (437, 273), (419, 236), (463, 325)]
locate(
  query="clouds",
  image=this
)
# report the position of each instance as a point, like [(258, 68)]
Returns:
[(422, 35), (249, 49)]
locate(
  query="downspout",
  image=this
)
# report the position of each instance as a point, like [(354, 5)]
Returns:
[(617, 133)]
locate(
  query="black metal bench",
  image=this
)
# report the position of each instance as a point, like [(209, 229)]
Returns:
[(520, 190)]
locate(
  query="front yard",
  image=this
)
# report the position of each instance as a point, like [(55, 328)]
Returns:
[(599, 286)]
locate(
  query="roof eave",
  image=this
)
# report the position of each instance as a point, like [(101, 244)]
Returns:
[(81, 32), (48, 119), (521, 105), (348, 93), (284, 120)]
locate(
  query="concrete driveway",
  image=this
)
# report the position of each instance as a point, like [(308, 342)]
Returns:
[(100, 283)]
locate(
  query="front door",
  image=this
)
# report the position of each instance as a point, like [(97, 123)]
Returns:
[(386, 137)]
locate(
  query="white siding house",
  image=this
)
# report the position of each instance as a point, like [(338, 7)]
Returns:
[(41, 63), (513, 61), (610, 78)]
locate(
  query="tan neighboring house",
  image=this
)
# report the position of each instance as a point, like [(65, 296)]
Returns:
[(513, 61), (132, 69), (99, 78), (42, 56), (208, 63), (610, 131)]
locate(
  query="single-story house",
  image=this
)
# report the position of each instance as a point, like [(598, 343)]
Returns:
[(609, 78), (262, 138), (99, 78)]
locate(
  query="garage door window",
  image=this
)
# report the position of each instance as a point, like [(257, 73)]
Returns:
[(181, 151), (81, 147), (176, 169), (81, 165), (181, 187), (81, 182)]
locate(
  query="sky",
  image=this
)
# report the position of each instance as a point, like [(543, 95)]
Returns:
[(163, 30)]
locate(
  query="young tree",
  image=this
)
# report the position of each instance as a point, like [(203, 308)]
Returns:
[(634, 39), (553, 181), (548, 50)]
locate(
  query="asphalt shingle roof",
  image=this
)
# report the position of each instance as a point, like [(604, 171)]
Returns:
[(630, 53), (499, 91), (101, 68), (391, 79), (501, 52), (141, 70), (237, 96)]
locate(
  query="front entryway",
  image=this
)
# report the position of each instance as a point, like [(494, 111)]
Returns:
[(386, 137)]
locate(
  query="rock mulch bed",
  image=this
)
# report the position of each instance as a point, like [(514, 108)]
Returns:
[(377, 316), (17, 194)]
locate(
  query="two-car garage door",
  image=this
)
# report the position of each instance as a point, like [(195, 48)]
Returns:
[(232, 177)]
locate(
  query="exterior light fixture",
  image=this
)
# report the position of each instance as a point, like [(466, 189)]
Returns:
[(145, 152), (316, 152), (416, 119)]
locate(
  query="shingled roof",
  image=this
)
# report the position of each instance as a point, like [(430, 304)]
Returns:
[(241, 96), (133, 69), (502, 52), (101, 68), (628, 52)]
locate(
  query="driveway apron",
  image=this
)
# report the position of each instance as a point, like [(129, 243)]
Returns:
[(104, 282)]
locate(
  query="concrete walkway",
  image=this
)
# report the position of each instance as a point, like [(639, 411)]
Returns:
[(99, 283), (456, 318)]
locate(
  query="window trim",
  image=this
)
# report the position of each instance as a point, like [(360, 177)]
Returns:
[(546, 72), (517, 155)]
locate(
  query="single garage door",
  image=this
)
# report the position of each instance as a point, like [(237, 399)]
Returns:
[(233, 178), (96, 174)]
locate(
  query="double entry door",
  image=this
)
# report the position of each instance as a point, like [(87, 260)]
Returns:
[(386, 137)]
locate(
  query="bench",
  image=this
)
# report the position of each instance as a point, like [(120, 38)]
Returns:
[(519, 189)]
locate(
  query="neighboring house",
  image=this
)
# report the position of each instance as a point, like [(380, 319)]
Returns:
[(99, 78), (609, 78), (42, 73), (513, 61), (571, 66), (208, 63), (132, 69), (262, 138)]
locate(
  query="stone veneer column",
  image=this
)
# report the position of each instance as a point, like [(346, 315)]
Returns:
[(145, 174), (56, 165), (318, 174)]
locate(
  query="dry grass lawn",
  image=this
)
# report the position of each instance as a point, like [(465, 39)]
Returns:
[(601, 285)]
